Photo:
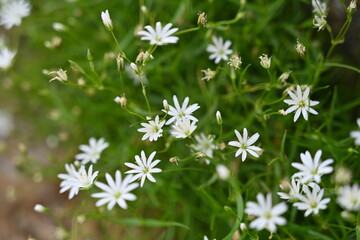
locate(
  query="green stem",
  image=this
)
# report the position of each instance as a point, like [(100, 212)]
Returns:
[(118, 45), (187, 30), (145, 95)]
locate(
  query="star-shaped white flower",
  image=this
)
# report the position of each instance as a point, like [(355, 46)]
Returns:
[(312, 202), (219, 50), (159, 36), (116, 192), (75, 180), (184, 129), (13, 11), (180, 113), (204, 144), (268, 216), (144, 168), (356, 134), (291, 191), (153, 129), (91, 152), (301, 103), (349, 197), (245, 144), (312, 169)]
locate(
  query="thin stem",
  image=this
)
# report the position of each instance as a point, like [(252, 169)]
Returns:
[(187, 30), (145, 95), (118, 45)]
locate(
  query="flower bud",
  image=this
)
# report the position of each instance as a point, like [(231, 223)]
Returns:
[(218, 117), (166, 105), (39, 208), (223, 172), (105, 16)]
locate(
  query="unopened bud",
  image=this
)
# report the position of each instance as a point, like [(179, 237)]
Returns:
[(166, 105), (135, 68), (218, 117), (40, 208), (174, 160), (105, 17), (243, 227), (144, 9), (89, 56), (121, 100), (120, 62)]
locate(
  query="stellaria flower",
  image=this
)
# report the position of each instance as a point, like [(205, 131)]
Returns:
[(312, 202), (291, 191), (245, 144), (115, 192), (153, 129), (301, 103), (219, 50), (13, 11), (91, 152), (184, 128), (319, 22), (159, 36), (235, 61), (356, 134), (75, 180), (268, 215), (319, 8), (204, 144), (349, 197), (6, 57), (144, 168), (312, 169), (180, 113)]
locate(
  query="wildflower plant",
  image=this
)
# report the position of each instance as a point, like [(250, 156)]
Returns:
[(187, 119)]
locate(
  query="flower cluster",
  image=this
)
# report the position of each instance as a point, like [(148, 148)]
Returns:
[(309, 176), (320, 13)]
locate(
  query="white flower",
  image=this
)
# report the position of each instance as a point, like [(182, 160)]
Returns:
[(313, 201), (356, 134), (159, 36), (144, 168), (76, 180), (222, 171), (312, 170), (292, 190), (60, 75), (349, 197), (301, 103), (116, 192), (91, 152), (244, 144), (268, 216), (319, 22), (184, 128), (219, 50), (265, 61), (205, 145), (6, 123), (12, 12), (153, 129), (180, 113), (105, 17), (6, 57), (319, 8)]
